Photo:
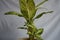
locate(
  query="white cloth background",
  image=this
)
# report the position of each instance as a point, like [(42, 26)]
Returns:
[(9, 24)]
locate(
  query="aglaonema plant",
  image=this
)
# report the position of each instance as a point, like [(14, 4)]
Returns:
[(28, 12)]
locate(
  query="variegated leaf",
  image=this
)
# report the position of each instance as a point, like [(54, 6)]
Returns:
[(27, 8)]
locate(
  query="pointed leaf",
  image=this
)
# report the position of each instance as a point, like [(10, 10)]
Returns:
[(14, 13), (22, 27), (48, 12), (41, 8), (39, 32), (41, 14), (41, 3)]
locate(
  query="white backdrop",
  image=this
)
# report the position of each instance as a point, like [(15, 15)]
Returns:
[(9, 24)]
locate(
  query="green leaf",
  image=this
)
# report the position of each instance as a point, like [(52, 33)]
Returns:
[(48, 12), (29, 33), (38, 37), (22, 27), (41, 14), (41, 3), (41, 8), (30, 26), (23, 8), (39, 32), (14, 13), (27, 8), (31, 8)]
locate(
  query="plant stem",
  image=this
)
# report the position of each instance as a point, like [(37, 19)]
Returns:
[(31, 37)]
